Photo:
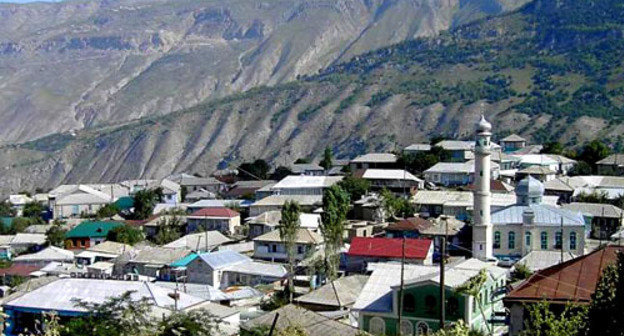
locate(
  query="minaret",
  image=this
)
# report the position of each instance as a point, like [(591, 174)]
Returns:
[(482, 227)]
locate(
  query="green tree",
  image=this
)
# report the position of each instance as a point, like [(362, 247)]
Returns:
[(552, 147), (458, 328), (542, 321), (257, 170), (593, 152), (288, 228), (169, 229), (125, 234), (6, 210), (336, 202), (55, 235), (605, 316), (107, 211), (33, 209), (581, 168), (396, 206), (198, 322), (281, 172), (355, 186), (19, 224), (327, 163), (473, 287), (520, 272), (145, 201), (302, 161)]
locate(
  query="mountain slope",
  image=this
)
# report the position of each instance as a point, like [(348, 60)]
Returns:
[(85, 63), (548, 72)]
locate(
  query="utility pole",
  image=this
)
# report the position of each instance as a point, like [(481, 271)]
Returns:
[(442, 264), (562, 239), (402, 285)]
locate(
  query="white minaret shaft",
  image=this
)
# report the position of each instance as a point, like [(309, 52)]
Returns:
[(482, 229)]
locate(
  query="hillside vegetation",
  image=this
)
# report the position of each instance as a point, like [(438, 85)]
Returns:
[(551, 70)]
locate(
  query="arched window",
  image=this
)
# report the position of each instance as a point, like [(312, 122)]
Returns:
[(430, 303), (572, 240), (407, 328), (409, 303), (377, 326), (422, 328), (511, 243), (497, 239), (527, 240), (558, 241), (544, 240)]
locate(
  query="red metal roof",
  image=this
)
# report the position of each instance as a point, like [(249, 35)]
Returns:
[(23, 270), (410, 224), (215, 212), (389, 247), (574, 280)]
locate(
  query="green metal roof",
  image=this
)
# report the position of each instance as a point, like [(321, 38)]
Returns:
[(92, 229), (125, 203), (184, 261)]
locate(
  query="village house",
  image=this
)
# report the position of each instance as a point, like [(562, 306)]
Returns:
[(249, 189), (25, 309), (193, 183), (541, 173), (89, 233), (270, 220), (216, 203), (570, 282), (377, 305), (75, 200), (417, 148), (225, 220), (604, 219), (172, 192), (105, 251), (309, 169), (201, 241), (304, 185), (461, 151), (45, 256), (611, 165), (539, 260), (395, 180), (559, 164), (313, 323), (339, 295), (407, 227), (455, 173), (374, 160), (21, 243), (18, 202), (228, 268), (308, 203), (366, 250), (149, 261), (512, 143), (270, 246)]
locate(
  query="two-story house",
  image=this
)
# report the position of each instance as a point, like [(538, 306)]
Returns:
[(378, 303), (221, 219), (270, 246), (89, 233)]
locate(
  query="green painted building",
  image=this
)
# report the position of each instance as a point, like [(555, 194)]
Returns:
[(378, 304)]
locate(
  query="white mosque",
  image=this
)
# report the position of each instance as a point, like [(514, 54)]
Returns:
[(529, 225)]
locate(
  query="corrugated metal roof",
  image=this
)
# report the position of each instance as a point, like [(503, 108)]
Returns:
[(595, 209), (279, 200), (257, 268), (223, 259), (376, 157), (544, 215), (92, 229), (389, 247), (51, 253), (197, 241), (305, 181), (348, 289), (389, 174), (304, 236)]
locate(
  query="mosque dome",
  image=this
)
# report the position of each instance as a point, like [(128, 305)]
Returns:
[(530, 190)]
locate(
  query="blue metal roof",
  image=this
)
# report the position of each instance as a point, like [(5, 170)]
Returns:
[(184, 261), (544, 215)]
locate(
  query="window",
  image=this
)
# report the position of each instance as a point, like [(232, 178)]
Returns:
[(273, 248), (511, 243), (430, 303), (300, 249), (497, 239), (572, 240), (527, 240), (558, 242), (544, 240), (407, 328), (409, 303), (377, 326)]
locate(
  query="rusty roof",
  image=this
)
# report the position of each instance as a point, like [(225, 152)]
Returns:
[(572, 281), (410, 224)]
